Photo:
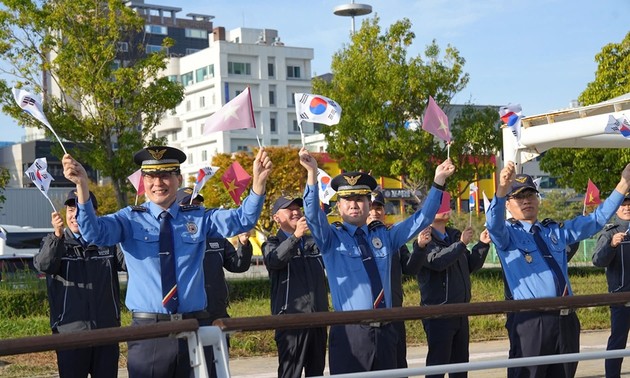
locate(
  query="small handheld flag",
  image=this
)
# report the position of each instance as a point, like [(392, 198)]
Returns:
[(445, 204), (136, 180), (325, 190), (619, 125), (31, 104), (316, 109), (236, 114), (511, 117), (435, 121), (203, 176), (236, 180), (592, 194), (38, 173), (486, 202)]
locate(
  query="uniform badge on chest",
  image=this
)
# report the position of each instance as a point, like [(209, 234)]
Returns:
[(554, 238), (529, 258), (191, 227), (377, 243)]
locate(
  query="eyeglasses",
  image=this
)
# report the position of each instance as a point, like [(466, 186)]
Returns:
[(163, 176), (528, 194)]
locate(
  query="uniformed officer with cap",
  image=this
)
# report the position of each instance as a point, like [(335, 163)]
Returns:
[(83, 292), (613, 253), (534, 261), (358, 262), (399, 267), (298, 285), (137, 229)]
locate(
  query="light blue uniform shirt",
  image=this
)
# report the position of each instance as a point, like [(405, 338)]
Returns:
[(348, 280), (514, 241), (138, 235)]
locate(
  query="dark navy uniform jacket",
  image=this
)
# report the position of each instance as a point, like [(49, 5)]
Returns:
[(615, 260), (296, 271), (83, 289), (444, 268)]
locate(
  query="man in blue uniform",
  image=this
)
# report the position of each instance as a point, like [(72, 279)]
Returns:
[(534, 261), (358, 262), (220, 254), (83, 292), (164, 245), (298, 285), (399, 267), (443, 265), (613, 253)]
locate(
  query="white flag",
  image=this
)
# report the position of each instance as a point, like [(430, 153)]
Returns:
[(486, 202), (203, 176), (325, 191), (316, 109), (32, 104), (511, 115), (41, 178)]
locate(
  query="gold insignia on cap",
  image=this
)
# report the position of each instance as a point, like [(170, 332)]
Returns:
[(157, 154), (521, 179), (188, 191), (352, 180)]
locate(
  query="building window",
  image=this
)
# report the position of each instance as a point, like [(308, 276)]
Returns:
[(187, 79), (196, 33), (271, 70), (204, 155), (202, 101), (211, 71), (150, 49), (188, 107), (272, 125), (296, 128), (190, 159), (191, 51), (189, 132), (292, 99), (173, 78), (272, 95), (122, 46), (293, 72), (156, 29), (242, 148), (236, 68), (174, 136)]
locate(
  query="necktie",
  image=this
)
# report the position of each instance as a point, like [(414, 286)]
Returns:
[(561, 284), (378, 295), (167, 264)]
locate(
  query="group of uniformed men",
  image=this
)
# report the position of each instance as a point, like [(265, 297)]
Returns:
[(165, 239)]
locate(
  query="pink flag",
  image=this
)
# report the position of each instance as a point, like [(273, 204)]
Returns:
[(435, 121), (236, 114), (445, 205), (136, 180)]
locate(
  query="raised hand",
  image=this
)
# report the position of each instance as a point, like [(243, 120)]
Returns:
[(444, 170), (506, 178), (262, 169)]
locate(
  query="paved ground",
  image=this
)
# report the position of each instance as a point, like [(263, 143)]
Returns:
[(483, 351)]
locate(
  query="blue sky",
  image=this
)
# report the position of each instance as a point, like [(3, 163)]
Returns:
[(539, 53)]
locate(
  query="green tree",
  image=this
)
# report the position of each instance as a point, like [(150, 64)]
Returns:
[(288, 178), (381, 90), (574, 167), (4, 180), (108, 102)]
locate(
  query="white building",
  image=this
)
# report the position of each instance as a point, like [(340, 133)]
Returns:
[(239, 58)]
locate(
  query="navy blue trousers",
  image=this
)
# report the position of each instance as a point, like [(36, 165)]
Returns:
[(98, 362), (357, 348), (447, 339), (301, 350), (619, 327), (545, 333)]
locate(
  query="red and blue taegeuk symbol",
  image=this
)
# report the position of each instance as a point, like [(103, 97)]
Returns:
[(318, 105)]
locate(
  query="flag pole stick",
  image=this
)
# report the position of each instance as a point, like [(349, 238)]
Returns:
[(58, 140), (259, 142), (448, 150), (301, 133), (136, 203), (51, 204), (469, 217)]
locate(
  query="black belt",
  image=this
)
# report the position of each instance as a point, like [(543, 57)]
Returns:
[(378, 324), (168, 317)]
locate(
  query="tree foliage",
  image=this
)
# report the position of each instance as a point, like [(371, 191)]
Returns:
[(287, 178), (574, 167), (109, 103), (381, 90)]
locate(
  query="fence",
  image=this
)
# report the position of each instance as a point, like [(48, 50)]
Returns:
[(215, 335)]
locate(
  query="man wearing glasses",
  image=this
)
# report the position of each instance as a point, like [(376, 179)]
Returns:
[(164, 245), (534, 261)]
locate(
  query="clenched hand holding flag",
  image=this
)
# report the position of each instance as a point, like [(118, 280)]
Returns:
[(38, 173)]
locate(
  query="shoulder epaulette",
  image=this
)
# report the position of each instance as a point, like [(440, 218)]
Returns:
[(337, 224), (139, 208), (610, 226), (547, 221), (188, 207), (375, 224), (513, 221)]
